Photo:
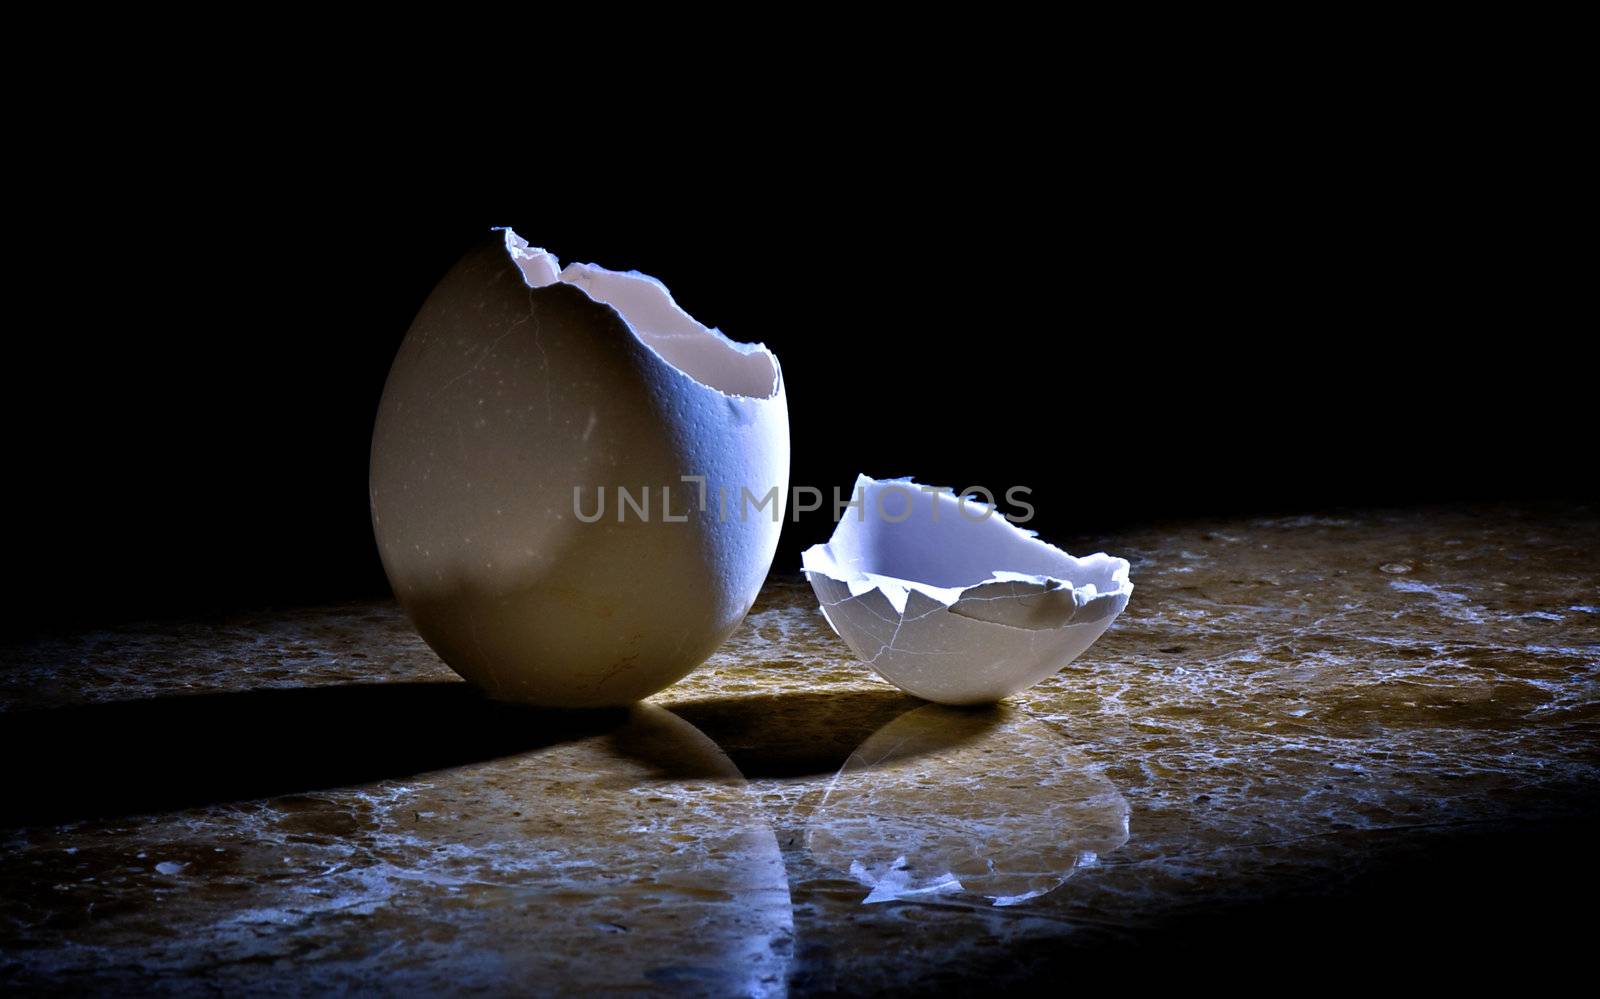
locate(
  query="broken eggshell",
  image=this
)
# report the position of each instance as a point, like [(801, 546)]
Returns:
[(525, 393), (946, 599)]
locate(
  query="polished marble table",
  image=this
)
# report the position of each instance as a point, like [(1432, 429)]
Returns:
[(1317, 718)]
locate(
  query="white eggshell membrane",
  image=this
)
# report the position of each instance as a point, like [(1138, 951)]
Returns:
[(952, 606), (521, 382)]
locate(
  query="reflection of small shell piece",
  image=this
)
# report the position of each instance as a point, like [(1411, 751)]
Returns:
[(955, 606), (992, 803)]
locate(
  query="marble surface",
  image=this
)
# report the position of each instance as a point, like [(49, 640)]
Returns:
[(307, 800)]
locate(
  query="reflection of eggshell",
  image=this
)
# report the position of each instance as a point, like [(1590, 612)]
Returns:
[(939, 800), (951, 602), (633, 860), (613, 853), (522, 399)]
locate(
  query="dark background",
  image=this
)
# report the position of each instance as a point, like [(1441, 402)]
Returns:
[(1220, 295), (1186, 317)]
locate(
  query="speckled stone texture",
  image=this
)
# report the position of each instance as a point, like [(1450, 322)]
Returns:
[(307, 800)]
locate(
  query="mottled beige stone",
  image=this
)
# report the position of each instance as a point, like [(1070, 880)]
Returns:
[(1284, 698)]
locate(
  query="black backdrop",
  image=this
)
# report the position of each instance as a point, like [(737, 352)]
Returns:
[(1258, 289), (1163, 331)]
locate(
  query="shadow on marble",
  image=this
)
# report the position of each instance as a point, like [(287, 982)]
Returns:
[(799, 734), (157, 754), (575, 867)]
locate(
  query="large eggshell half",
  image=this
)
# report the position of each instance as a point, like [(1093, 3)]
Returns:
[(525, 395), (953, 605)]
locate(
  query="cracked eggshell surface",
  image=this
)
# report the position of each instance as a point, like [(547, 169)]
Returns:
[(524, 396), (955, 606)]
